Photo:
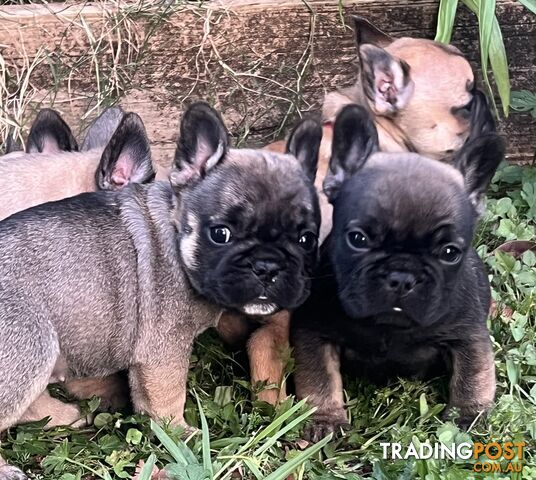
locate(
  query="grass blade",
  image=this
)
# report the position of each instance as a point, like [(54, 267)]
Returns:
[(445, 20), (207, 461), (280, 433), (267, 431), (147, 470), (253, 469), (274, 426), (285, 470), (169, 444)]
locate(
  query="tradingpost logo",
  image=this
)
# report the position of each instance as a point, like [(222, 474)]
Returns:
[(492, 457)]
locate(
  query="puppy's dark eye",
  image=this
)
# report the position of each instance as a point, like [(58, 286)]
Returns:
[(307, 241), (450, 254), (220, 234), (358, 240)]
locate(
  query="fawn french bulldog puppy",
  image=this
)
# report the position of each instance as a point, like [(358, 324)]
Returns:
[(399, 291), (52, 168), (125, 280), (418, 92)]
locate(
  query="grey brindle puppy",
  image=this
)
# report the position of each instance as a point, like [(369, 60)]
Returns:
[(109, 281), (399, 291)]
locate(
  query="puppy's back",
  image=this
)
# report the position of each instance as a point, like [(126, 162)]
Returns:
[(72, 262), (29, 179)]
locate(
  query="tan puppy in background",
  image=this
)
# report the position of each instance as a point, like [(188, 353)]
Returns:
[(420, 94), (52, 168)]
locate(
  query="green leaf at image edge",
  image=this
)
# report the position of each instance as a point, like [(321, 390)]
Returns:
[(496, 52), (529, 4), (445, 20)]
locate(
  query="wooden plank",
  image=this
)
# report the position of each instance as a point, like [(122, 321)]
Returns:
[(260, 62)]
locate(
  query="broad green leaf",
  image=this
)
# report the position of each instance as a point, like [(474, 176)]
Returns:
[(512, 371), (423, 405), (494, 47), (523, 101), (103, 419), (499, 65), (503, 206), (530, 4), (133, 436), (529, 258), (445, 20), (485, 15)]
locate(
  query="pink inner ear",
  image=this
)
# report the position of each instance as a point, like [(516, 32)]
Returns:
[(122, 171), (386, 87), (50, 145)]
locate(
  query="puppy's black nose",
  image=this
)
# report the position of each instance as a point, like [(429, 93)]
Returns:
[(401, 282), (265, 269)]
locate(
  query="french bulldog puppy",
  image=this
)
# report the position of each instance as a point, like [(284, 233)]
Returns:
[(420, 94), (399, 291), (52, 168), (125, 280)]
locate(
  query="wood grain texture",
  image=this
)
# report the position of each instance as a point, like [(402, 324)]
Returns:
[(259, 62)]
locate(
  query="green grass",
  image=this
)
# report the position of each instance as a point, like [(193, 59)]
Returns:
[(251, 440)]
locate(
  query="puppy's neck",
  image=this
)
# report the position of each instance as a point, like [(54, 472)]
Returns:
[(391, 136)]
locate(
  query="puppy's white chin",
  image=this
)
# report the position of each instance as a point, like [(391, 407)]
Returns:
[(259, 308)]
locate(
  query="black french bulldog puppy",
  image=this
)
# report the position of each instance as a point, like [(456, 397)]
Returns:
[(399, 291)]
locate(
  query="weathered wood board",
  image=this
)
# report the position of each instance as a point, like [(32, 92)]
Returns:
[(259, 61)]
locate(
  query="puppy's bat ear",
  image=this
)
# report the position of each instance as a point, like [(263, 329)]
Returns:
[(103, 127), (355, 138), (202, 144), (386, 80), (365, 32), (50, 134), (127, 156), (482, 121), (304, 144), (477, 161)]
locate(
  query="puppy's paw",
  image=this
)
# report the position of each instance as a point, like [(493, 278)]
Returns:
[(324, 424), (187, 429), (463, 417), (84, 421), (273, 396), (8, 472)]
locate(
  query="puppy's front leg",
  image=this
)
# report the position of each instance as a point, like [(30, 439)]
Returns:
[(60, 413), (158, 388), (472, 385), (267, 347), (112, 390), (318, 377)]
